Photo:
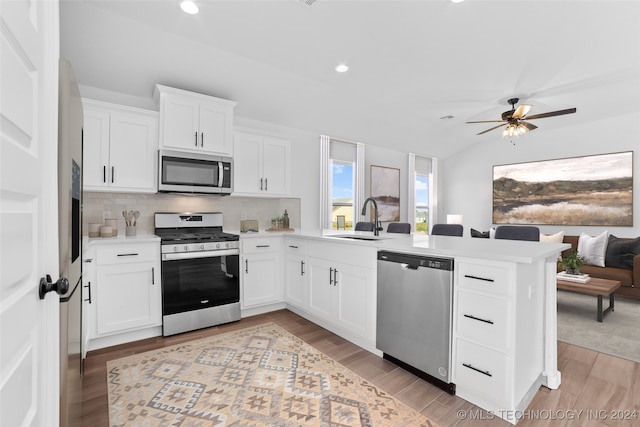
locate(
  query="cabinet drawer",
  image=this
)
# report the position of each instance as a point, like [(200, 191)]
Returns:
[(485, 278), (259, 245), (483, 318), (482, 371), (123, 254), (295, 247)]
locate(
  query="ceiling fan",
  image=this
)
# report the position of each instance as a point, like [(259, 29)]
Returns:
[(515, 119)]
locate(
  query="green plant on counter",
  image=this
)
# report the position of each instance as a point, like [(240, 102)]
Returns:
[(572, 263)]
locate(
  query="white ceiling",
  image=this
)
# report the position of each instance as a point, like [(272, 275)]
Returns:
[(411, 62)]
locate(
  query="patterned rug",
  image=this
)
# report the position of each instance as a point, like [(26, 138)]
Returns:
[(258, 376)]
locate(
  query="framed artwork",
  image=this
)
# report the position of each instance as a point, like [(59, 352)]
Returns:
[(587, 190), (385, 190)]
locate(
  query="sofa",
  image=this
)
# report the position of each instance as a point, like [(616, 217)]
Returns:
[(629, 278)]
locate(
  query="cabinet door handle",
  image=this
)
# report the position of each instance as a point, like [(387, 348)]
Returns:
[(196, 134), (104, 174), (132, 254), (487, 373), (331, 276), (263, 246), (302, 268), (246, 266), (293, 247), (260, 184), (468, 276), (153, 275), (88, 286), (266, 185), (469, 316), (113, 173), (335, 277), (201, 139)]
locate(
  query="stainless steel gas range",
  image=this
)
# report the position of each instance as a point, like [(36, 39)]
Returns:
[(200, 271)]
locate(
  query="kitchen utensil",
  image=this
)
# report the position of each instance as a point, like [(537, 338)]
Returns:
[(136, 215), (124, 214)]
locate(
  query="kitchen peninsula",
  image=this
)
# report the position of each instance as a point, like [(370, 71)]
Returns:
[(504, 304)]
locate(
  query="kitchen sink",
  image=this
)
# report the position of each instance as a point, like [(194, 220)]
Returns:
[(358, 237)]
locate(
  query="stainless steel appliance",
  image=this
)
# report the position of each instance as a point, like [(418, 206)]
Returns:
[(70, 120), (194, 173), (200, 271), (414, 314)]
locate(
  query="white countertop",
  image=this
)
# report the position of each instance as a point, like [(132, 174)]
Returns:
[(447, 246), (119, 240)]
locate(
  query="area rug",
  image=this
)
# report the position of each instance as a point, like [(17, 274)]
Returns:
[(258, 376), (617, 335)]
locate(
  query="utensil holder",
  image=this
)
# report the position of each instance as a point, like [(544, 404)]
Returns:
[(130, 230)]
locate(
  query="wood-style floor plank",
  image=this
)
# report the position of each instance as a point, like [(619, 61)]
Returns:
[(590, 380)]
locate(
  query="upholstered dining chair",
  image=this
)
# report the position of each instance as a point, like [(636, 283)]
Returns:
[(364, 226), (399, 227), (447, 230), (518, 232)]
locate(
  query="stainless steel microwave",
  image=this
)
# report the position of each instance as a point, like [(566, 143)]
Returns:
[(181, 172)]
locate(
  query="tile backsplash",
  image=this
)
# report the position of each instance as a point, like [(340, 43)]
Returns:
[(235, 209)]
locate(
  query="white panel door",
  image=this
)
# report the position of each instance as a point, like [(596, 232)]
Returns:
[(180, 123), (214, 130), (95, 153), (247, 163), (29, 327), (275, 165)]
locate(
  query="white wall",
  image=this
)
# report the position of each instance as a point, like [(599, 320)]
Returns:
[(466, 178)]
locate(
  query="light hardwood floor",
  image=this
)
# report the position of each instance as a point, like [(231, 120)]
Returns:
[(602, 386)]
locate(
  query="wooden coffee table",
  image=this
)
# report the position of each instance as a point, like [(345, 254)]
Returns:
[(595, 286)]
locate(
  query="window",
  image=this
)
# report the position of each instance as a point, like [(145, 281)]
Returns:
[(342, 182), (421, 193), (342, 191)]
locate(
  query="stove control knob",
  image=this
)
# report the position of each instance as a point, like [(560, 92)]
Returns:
[(175, 249), (217, 245), (202, 247), (186, 247), (226, 245)]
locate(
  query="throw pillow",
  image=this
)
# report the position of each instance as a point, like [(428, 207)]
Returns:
[(553, 238), (593, 248), (620, 253), (481, 234)]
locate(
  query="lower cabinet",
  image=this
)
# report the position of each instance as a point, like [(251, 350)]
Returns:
[(123, 292), (261, 271), (343, 295), (295, 267)]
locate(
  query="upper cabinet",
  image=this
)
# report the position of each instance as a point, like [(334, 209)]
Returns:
[(193, 122), (120, 148), (261, 165)]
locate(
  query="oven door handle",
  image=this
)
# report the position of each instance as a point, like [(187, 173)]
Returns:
[(201, 254)]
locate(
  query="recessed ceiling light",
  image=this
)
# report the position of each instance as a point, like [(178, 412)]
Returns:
[(457, 1), (342, 68), (189, 7)]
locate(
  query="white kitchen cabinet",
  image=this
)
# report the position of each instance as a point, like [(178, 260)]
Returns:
[(120, 148), (295, 283), (497, 328), (126, 291), (342, 289), (261, 264), (194, 122), (262, 165)]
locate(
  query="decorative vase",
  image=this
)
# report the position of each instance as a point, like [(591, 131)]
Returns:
[(572, 270)]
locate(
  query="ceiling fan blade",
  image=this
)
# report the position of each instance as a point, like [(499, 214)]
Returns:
[(489, 121), (529, 126), (552, 114), (521, 111), (490, 129)]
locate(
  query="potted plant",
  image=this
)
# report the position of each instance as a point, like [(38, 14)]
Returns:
[(572, 263)]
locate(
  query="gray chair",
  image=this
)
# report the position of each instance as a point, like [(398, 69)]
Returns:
[(364, 226), (447, 230), (399, 227), (518, 232)]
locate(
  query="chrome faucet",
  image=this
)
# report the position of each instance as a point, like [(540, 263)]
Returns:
[(375, 214)]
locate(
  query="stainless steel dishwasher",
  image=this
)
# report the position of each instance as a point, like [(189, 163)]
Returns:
[(414, 314)]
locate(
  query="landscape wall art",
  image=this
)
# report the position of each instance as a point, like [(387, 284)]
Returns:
[(385, 189), (590, 190)]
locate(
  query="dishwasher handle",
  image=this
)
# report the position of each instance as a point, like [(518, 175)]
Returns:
[(413, 262)]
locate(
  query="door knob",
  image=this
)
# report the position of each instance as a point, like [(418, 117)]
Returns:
[(46, 285)]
